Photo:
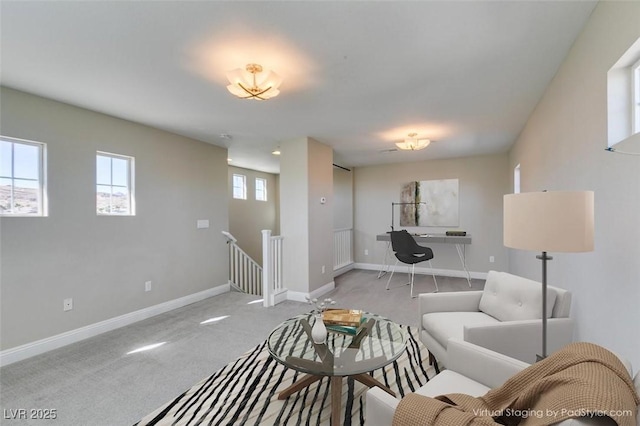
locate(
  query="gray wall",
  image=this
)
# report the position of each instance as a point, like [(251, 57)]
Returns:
[(307, 225), (247, 218), (483, 181), (562, 148), (342, 198), (320, 215), (294, 214), (103, 262)]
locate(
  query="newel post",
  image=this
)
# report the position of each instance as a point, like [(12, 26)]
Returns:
[(267, 273)]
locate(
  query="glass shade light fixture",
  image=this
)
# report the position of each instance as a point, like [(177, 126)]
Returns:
[(254, 83), (412, 143)]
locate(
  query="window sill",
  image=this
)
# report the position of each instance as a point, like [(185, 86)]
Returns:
[(631, 143)]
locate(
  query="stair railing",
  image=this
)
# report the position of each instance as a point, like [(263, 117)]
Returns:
[(273, 290), (342, 248), (245, 274)]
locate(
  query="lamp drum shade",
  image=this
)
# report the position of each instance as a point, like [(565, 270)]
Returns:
[(555, 221)]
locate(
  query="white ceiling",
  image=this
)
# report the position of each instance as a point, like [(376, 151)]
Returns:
[(357, 75)]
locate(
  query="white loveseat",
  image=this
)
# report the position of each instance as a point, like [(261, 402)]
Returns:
[(472, 370), (505, 317)]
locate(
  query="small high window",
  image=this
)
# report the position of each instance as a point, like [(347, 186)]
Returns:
[(240, 187), (22, 178), (261, 189), (516, 179), (635, 72), (623, 98), (114, 184)]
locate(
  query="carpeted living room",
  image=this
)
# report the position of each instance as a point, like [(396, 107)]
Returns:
[(320, 213)]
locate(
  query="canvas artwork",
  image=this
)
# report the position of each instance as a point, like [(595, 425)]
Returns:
[(439, 203)]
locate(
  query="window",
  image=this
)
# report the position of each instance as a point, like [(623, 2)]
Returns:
[(516, 179), (623, 98), (240, 187), (261, 189), (114, 185), (22, 178), (635, 72)]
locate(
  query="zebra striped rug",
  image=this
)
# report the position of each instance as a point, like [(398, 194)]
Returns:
[(245, 392)]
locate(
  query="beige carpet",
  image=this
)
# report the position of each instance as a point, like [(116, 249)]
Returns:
[(245, 392)]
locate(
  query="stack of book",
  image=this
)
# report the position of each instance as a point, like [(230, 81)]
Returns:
[(344, 321)]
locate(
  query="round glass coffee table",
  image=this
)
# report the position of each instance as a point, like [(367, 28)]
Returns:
[(379, 342)]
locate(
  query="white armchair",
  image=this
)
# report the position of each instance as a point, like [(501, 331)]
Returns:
[(472, 370), (505, 317)]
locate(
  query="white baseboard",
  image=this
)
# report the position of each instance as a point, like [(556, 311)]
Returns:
[(426, 271), (280, 296), (38, 347), (299, 296), (341, 270)]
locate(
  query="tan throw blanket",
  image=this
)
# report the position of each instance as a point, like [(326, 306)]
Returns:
[(582, 379)]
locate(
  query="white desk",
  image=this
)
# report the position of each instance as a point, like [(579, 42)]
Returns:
[(460, 242)]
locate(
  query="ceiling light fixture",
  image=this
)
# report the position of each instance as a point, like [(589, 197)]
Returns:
[(413, 143), (276, 152), (254, 83)]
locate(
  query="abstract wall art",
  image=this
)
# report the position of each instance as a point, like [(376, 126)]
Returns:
[(438, 203)]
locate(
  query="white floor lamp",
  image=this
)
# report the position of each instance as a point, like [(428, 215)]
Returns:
[(558, 221)]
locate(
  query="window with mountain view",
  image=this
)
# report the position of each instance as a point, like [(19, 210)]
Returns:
[(114, 185), (22, 178)]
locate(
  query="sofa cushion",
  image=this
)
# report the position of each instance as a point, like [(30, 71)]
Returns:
[(451, 382), (444, 325), (508, 297)]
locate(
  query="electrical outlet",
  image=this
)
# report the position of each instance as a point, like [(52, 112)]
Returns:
[(492, 259), (67, 304), (323, 269), (147, 286), (366, 252)]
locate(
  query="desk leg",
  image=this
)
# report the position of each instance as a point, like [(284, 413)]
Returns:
[(336, 400), (462, 253), (385, 265)]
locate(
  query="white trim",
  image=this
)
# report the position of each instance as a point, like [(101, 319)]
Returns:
[(298, 296), (38, 347), (342, 269), (280, 296), (426, 271)]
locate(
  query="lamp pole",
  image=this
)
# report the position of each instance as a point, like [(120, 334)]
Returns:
[(544, 257)]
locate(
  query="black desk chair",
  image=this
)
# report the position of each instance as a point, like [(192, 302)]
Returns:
[(408, 251)]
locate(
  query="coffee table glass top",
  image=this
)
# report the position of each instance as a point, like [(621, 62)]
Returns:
[(341, 355)]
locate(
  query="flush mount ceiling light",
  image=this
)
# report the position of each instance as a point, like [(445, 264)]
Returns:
[(276, 152), (412, 143), (254, 83)]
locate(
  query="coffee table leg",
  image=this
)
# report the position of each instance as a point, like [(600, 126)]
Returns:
[(336, 400), (298, 385), (371, 382)]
